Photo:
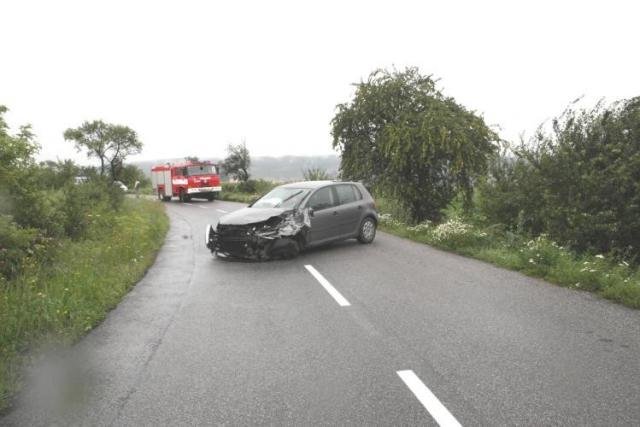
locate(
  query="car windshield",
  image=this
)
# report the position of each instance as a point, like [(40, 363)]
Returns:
[(201, 170), (281, 197)]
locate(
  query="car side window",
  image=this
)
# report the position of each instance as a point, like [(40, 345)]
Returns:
[(357, 191), (345, 194), (321, 199)]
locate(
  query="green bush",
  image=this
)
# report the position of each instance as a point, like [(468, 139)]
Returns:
[(19, 247), (79, 202), (40, 209), (579, 183)]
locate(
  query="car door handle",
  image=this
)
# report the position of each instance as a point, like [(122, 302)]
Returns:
[(359, 206), (335, 212)]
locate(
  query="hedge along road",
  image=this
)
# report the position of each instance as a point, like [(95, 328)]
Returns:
[(389, 333)]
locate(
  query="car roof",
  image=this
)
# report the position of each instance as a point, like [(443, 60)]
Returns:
[(313, 184)]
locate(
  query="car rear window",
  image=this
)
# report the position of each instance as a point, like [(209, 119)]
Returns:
[(346, 193)]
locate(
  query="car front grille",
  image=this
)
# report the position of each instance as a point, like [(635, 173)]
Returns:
[(232, 232)]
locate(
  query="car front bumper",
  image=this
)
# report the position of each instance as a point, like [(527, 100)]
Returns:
[(248, 243), (197, 190)]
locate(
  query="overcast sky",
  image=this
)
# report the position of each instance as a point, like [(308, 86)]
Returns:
[(192, 76)]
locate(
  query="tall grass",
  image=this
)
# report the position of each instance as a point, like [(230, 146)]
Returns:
[(62, 300)]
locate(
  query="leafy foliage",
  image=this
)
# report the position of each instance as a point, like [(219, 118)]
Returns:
[(579, 182), (237, 162), (19, 247), (68, 251), (403, 137), (111, 144), (40, 204)]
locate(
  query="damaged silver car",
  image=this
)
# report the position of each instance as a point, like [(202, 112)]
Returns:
[(293, 217)]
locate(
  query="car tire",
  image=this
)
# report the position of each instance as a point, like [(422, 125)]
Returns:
[(367, 230), (293, 250)]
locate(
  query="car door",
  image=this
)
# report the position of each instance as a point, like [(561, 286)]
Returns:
[(349, 210), (323, 217)]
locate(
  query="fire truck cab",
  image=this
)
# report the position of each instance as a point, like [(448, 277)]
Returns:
[(198, 180)]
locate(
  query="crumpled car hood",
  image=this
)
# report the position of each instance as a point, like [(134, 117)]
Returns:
[(247, 216)]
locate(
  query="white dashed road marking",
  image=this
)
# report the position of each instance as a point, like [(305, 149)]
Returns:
[(429, 400), (342, 301), (222, 211)]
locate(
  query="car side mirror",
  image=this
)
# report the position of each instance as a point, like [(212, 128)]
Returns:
[(310, 211)]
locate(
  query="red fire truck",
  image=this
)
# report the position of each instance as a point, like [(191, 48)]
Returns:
[(186, 180)]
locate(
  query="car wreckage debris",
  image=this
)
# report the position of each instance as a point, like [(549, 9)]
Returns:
[(277, 237)]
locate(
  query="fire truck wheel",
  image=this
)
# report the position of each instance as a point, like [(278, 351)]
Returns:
[(211, 198), (183, 196)]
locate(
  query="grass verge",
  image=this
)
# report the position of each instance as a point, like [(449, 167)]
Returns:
[(539, 257), (62, 300)]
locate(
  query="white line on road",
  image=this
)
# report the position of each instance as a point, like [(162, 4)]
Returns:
[(429, 400), (342, 301), (222, 211)]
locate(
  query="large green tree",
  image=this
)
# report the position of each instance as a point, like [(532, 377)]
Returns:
[(92, 138), (111, 144), (237, 162), (403, 137)]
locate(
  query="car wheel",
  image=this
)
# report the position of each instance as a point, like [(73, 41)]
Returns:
[(292, 250), (367, 230)]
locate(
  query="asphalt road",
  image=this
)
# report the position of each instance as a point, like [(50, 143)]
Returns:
[(399, 334)]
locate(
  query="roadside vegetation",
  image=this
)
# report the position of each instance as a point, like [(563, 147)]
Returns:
[(69, 250)]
